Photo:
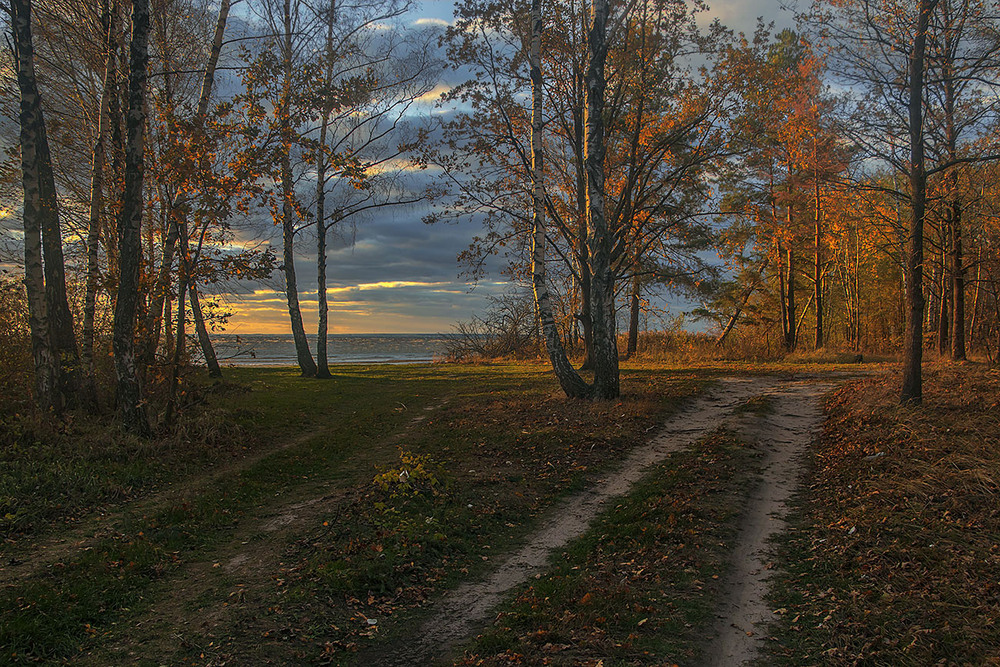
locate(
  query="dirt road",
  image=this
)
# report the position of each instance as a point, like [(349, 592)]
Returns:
[(784, 435)]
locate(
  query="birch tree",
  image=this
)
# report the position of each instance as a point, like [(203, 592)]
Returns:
[(570, 381), (39, 207), (130, 394)]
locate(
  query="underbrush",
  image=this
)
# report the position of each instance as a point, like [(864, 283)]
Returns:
[(56, 470), (894, 554), (277, 430)]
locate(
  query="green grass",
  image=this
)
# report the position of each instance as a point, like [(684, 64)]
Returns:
[(54, 613), (639, 587), (504, 442)]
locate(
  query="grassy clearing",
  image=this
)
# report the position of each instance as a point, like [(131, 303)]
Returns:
[(639, 587), (478, 472), (59, 610), (894, 555), (499, 439)]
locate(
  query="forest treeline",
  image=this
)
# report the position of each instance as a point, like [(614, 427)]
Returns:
[(827, 186)]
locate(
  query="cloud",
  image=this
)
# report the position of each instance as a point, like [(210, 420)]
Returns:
[(741, 16), (434, 94), (428, 20), (387, 307)]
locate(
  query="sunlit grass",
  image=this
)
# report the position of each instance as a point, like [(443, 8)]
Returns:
[(892, 559)]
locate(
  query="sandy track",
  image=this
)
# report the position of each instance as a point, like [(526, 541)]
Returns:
[(460, 612), (783, 437)]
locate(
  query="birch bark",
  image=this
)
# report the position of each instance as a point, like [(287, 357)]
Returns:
[(570, 381), (46, 368)]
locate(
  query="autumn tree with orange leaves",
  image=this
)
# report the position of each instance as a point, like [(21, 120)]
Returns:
[(782, 188)]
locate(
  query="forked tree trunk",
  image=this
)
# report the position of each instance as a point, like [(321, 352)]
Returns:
[(911, 391), (62, 337), (57, 304), (179, 206), (570, 381), (130, 398), (601, 237), (47, 393)]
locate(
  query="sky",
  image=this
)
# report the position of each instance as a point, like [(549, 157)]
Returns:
[(395, 274)]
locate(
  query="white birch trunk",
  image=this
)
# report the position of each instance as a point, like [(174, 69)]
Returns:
[(569, 379)]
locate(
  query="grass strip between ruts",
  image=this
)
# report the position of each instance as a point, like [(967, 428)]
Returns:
[(640, 586)]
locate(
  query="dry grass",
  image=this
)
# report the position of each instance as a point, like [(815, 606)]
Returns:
[(895, 557)]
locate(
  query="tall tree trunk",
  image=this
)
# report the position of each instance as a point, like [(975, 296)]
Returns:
[(322, 365), (911, 391), (782, 291), (944, 302), (170, 412), (47, 393), (115, 179), (633, 314), (108, 14), (791, 330), (601, 236), (130, 399), (583, 249), (168, 326), (322, 328), (204, 97), (818, 266), (955, 272), (976, 298), (304, 356), (957, 284), (570, 381)]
